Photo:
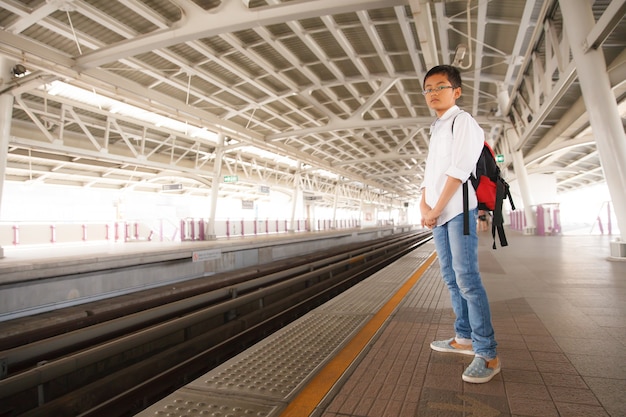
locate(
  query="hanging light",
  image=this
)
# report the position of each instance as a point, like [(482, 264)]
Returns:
[(19, 71)]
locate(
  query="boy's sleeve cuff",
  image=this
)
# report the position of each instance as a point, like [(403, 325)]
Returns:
[(457, 173)]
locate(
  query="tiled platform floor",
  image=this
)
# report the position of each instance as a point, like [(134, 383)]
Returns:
[(559, 312)]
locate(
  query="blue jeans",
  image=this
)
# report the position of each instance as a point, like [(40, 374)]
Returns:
[(458, 259)]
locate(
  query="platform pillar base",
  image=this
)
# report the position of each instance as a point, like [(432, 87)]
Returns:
[(618, 250)]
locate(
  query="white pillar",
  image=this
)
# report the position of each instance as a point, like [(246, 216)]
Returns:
[(360, 216), (215, 185), (334, 225), (297, 196), (6, 114), (511, 137), (604, 117), (522, 179)]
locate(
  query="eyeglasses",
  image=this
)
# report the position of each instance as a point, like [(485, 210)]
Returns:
[(437, 89)]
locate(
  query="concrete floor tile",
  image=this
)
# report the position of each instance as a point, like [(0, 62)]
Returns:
[(509, 336), (495, 387), (517, 390), (409, 409), (569, 328), (514, 354), (563, 380), (549, 357), (527, 319), (557, 367), (386, 391), (444, 404), (400, 393), (610, 392), (534, 408), (601, 346), (363, 407), (530, 329), (573, 395), (504, 328), (377, 408), (618, 333), (513, 364), (517, 375), (580, 410), (599, 366), (541, 343), (445, 382)]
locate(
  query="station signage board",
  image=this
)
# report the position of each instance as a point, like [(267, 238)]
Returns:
[(206, 255), (172, 187)]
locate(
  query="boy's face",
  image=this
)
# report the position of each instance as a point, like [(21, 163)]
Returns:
[(440, 101)]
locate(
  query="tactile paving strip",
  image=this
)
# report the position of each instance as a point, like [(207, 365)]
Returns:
[(275, 367), (190, 404), (261, 380)]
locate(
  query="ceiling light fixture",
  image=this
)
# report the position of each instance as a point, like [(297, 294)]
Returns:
[(19, 71), (459, 54), (461, 49)]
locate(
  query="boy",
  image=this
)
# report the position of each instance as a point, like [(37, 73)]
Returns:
[(451, 159)]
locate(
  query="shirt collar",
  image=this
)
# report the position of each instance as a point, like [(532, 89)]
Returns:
[(451, 112)]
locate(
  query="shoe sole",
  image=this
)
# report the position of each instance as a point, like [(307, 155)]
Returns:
[(477, 380), (451, 350)]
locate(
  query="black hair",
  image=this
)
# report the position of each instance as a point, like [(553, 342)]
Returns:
[(453, 74)]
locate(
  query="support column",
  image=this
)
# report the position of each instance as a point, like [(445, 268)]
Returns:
[(361, 219), (334, 225), (215, 186), (6, 114), (604, 117), (510, 137), (297, 196), (522, 178)]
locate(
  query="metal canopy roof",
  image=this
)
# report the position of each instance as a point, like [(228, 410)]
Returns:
[(324, 92)]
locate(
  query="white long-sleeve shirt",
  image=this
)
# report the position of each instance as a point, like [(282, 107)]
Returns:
[(452, 156)]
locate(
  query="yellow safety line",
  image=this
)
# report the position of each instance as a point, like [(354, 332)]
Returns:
[(306, 401)]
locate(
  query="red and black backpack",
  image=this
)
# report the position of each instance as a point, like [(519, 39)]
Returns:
[(491, 191)]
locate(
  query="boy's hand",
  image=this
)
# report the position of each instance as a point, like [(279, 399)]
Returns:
[(429, 219), (427, 214)]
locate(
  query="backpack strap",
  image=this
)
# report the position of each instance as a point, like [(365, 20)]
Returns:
[(465, 209), (497, 223), (465, 191)]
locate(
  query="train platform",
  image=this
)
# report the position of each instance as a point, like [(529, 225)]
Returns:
[(558, 307)]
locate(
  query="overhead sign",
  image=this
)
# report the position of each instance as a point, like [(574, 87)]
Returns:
[(170, 187), (247, 204), (499, 158), (264, 189), (231, 178)]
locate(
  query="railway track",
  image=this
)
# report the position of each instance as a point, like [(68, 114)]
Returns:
[(119, 362)]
